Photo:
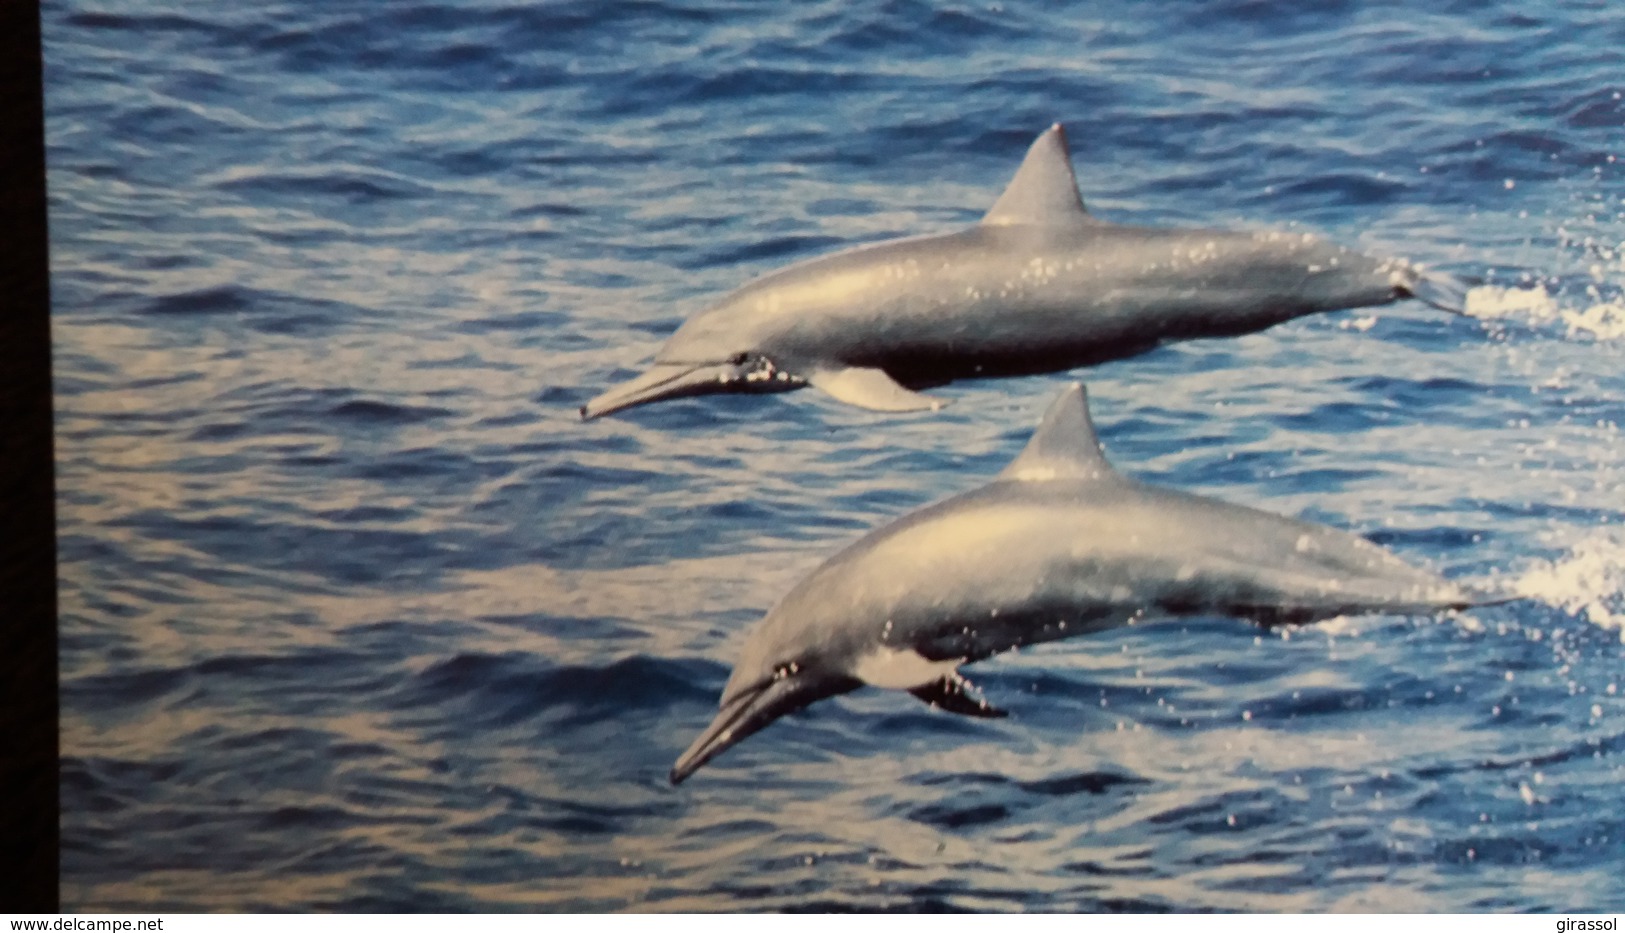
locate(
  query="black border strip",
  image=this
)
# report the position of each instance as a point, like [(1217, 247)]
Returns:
[(29, 881)]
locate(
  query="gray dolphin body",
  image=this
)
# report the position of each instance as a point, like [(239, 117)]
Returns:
[(1039, 285), (1058, 545)]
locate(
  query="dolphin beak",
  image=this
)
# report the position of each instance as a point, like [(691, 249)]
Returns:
[(663, 381), (747, 713)]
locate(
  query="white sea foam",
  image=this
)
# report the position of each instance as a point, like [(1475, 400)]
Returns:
[(1492, 301), (1602, 321), (1588, 582), (1342, 626)]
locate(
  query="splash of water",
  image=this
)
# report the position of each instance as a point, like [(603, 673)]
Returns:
[(1588, 582), (1604, 320)]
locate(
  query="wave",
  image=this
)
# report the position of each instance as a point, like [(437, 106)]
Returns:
[(508, 689), (265, 310)]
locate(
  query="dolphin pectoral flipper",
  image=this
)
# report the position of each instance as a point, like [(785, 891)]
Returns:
[(956, 695), (871, 388)]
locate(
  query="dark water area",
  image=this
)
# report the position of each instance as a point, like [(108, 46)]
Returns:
[(358, 615)]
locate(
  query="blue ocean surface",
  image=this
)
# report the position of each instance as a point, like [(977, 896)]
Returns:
[(356, 613)]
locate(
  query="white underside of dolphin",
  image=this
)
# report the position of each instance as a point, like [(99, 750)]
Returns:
[(1039, 285), (1058, 545)]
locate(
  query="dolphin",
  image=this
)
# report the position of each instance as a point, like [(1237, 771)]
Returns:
[(1058, 545), (1039, 285)]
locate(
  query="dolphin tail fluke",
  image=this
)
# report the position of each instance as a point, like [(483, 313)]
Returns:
[(1480, 596), (1439, 597), (1459, 596), (749, 711), (873, 389), (1440, 290)]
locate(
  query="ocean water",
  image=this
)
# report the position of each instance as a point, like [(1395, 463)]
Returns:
[(357, 615)]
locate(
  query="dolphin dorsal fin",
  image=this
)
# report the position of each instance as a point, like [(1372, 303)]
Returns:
[(1044, 191), (1064, 446)]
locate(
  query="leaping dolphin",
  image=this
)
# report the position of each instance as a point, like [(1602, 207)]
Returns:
[(1058, 545), (1039, 285)]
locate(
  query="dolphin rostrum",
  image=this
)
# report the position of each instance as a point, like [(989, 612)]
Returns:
[(1058, 545), (1039, 285)]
